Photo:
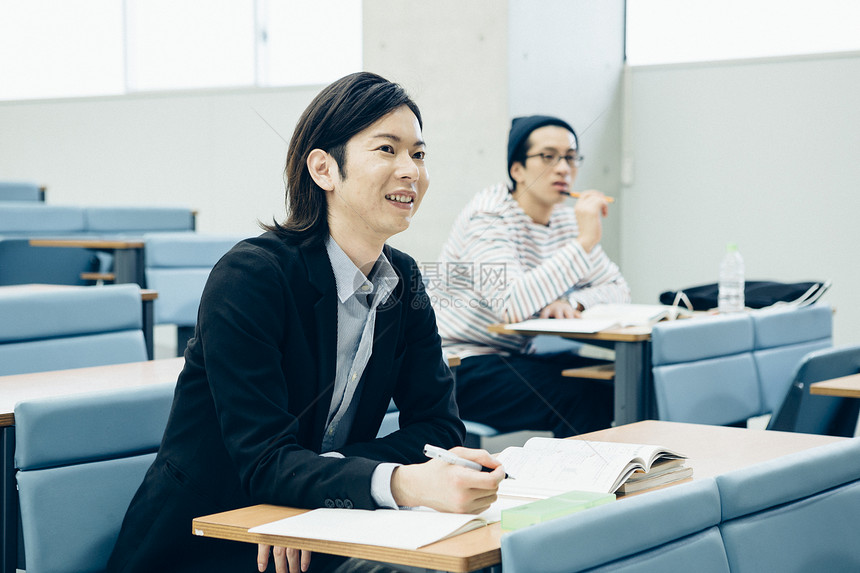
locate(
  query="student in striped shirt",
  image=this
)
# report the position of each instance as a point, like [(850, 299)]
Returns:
[(520, 252)]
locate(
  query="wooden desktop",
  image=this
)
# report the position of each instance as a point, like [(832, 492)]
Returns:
[(845, 387)]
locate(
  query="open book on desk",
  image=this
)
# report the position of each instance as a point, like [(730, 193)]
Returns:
[(603, 317), (634, 314), (661, 473), (545, 467), (572, 325)]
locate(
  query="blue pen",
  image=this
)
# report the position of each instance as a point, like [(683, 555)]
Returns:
[(454, 459)]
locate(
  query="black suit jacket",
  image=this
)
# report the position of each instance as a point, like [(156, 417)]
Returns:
[(251, 404)]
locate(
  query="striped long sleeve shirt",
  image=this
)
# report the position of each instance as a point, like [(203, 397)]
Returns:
[(500, 266)]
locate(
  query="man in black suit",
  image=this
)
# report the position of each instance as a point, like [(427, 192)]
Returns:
[(303, 336)]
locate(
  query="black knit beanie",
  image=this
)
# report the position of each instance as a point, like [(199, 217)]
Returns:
[(521, 128)]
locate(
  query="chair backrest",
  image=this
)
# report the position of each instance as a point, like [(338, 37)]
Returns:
[(673, 529), (810, 414), (70, 328), (137, 220), (704, 370), (21, 191), (799, 512), (782, 338), (37, 219), (177, 265), (80, 461)]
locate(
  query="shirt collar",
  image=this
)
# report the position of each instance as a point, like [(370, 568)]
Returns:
[(349, 279)]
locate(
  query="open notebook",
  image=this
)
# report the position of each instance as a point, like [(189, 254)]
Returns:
[(402, 529), (634, 314)]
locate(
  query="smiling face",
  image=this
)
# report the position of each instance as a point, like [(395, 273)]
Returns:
[(538, 185), (379, 189)]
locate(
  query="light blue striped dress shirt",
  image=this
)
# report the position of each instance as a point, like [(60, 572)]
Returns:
[(358, 298)]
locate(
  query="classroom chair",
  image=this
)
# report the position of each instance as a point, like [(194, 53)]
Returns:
[(136, 220), (795, 513), (18, 218), (177, 266), (80, 460), (70, 328), (810, 414), (669, 530), (782, 337), (726, 369), (704, 371), (21, 191), (21, 263)]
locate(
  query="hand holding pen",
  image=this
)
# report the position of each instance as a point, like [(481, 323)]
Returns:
[(444, 487), (449, 457)]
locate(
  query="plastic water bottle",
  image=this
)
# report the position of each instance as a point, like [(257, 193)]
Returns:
[(731, 285)]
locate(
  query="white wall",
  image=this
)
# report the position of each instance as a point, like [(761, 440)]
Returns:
[(451, 56), (218, 152), (763, 153), (566, 59)]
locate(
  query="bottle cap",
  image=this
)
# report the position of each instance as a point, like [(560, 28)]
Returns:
[(731, 247)]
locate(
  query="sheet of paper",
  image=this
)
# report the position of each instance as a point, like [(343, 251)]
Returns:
[(576, 325), (384, 527)]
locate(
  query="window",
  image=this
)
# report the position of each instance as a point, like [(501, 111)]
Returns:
[(306, 45), (670, 31), (174, 44), (49, 49), (67, 48)]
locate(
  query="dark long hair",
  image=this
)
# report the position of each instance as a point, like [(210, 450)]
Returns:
[(336, 114)]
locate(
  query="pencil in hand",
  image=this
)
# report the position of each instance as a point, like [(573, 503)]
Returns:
[(575, 195)]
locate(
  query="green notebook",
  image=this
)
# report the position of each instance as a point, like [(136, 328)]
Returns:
[(552, 507)]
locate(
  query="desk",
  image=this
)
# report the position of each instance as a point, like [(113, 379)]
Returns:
[(634, 394), (147, 298), (845, 387), (712, 450), (19, 387), (128, 255)]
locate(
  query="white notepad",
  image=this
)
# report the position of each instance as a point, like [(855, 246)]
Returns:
[(572, 325), (402, 529)]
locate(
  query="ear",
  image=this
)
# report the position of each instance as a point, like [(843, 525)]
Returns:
[(322, 168), (517, 172)]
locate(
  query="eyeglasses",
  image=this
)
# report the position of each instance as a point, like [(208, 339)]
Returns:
[(572, 159)]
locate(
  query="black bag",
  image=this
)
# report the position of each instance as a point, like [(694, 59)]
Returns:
[(757, 294)]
